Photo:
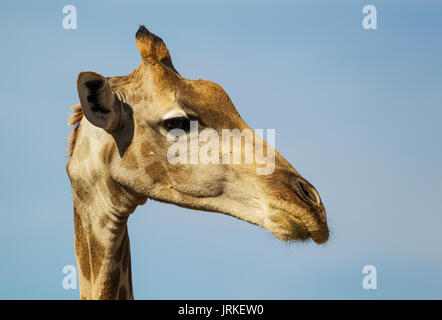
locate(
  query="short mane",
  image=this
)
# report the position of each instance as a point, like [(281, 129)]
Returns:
[(75, 118)]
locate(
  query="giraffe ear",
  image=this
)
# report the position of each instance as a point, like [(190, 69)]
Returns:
[(100, 106)]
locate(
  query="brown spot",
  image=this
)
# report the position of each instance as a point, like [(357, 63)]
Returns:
[(105, 153), (115, 194), (80, 191), (129, 276), (126, 256), (110, 285), (130, 161), (81, 247), (157, 172), (82, 297), (97, 253), (122, 294), (146, 148), (122, 248)]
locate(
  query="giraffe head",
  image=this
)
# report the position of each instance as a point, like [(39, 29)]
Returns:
[(128, 121)]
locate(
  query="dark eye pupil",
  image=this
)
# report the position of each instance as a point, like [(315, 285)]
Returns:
[(174, 124), (178, 123)]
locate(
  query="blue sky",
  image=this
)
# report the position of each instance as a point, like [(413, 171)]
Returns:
[(357, 112)]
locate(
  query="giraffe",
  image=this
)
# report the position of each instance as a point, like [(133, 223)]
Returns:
[(117, 160)]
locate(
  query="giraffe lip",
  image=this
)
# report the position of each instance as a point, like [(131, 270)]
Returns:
[(320, 236), (318, 230), (319, 233), (300, 229)]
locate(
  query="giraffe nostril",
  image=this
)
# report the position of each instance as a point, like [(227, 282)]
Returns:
[(309, 192)]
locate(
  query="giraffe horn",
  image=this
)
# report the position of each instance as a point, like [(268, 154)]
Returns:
[(152, 48)]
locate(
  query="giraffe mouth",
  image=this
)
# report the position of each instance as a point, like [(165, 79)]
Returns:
[(291, 228)]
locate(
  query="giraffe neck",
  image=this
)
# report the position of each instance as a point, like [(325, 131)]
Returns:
[(101, 210), (102, 207), (103, 254)]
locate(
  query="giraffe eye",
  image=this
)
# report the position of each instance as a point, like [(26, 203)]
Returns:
[(177, 123)]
